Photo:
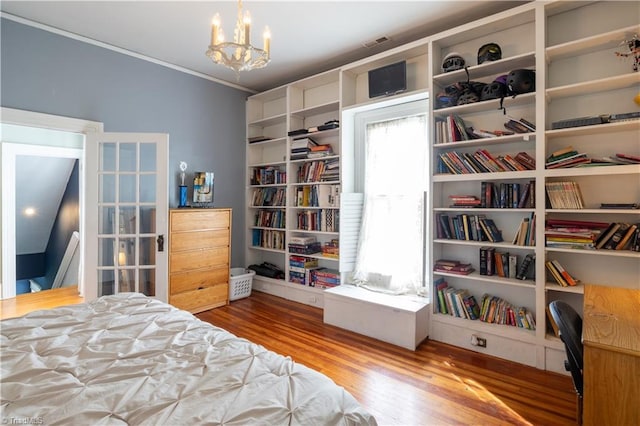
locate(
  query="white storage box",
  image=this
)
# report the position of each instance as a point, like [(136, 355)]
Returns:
[(240, 283)]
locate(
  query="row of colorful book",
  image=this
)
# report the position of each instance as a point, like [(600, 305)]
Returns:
[(507, 195), (268, 176), (325, 220), (569, 157), (267, 238), (492, 309), (268, 197), (271, 218), (564, 195), (467, 227), (506, 265), (482, 161), (299, 269), (316, 171), (320, 195)]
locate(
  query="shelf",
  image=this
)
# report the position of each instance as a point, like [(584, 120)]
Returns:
[(311, 231), (487, 69), (271, 185), (528, 174), (498, 140), (269, 121), (328, 182), (393, 99), (484, 243), (317, 109), (267, 142), (626, 169), (313, 207), (594, 86), (508, 331), (494, 279), (322, 134), (577, 289), (596, 129), (267, 228), (267, 207), (266, 249), (594, 211), (483, 210), (612, 253), (486, 106), (317, 256), (308, 160), (269, 164), (608, 40)]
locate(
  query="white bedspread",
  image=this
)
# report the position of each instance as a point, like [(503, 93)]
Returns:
[(129, 359)]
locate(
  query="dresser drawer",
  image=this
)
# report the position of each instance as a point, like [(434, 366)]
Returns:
[(192, 280), (198, 259), (199, 240), (201, 300), (199, 220)]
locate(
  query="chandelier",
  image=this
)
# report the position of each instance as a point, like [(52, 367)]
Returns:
[(238, 55)]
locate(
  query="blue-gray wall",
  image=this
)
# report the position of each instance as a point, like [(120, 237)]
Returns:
[(48, 73)]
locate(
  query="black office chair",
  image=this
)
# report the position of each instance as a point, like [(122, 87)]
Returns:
[(570, 329)]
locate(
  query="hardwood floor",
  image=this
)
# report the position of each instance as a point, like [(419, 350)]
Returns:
[(47, 299), (437, 384)]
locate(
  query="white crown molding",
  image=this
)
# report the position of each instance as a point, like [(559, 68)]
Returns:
[(120, 50)]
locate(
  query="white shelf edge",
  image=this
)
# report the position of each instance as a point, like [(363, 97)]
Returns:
[(498, 140), (269, 164), (590, 44), (484, 243), (606, 128), (594, 211), (490, 68), (626, 169), (529, 174), (494, 279), (317, 109), (600, 252), (484, 210), (486, 106), (268, 121), (267, 249), (577, 289), (593, 86)]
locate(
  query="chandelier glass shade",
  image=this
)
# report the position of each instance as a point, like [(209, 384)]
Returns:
[(239, 54)]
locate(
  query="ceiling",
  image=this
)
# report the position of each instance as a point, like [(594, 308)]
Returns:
[(43, 191), (308, 37)]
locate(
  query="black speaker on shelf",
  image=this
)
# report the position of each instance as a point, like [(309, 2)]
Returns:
[(388, 80)]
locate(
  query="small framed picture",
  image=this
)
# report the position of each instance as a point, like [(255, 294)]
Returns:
[(203, 188)]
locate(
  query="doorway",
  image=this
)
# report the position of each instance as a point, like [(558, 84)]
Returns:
[(31, 133)]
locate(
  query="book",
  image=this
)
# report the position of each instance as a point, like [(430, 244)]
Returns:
[(565, 275), (523, 269), (552, 322), (616, 237), (626, 237)]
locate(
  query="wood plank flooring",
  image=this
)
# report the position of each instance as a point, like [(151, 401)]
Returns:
[(437, 384), (46, 299)]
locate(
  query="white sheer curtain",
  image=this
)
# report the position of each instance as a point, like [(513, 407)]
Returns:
[(391, 244)]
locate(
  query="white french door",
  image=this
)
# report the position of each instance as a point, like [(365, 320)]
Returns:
[(126, 214)]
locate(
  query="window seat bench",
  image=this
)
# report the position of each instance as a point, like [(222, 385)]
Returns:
[(399, 320)]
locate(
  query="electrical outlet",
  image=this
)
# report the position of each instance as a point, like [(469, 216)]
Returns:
[(478, 341)]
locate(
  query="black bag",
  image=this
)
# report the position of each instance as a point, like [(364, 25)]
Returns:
[(267, 269)]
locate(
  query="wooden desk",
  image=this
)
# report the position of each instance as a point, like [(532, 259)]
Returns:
[(611, 339)]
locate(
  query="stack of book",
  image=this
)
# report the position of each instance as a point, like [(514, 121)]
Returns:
[(325, 220), (331, 171), (304, 245), (267, 238), (268, 197), (453, 267), (300, 268), (566, 157), (320, 151), (520, 126), (331, 249), (573, 234), (559, 274), (564, 195), (270, 218), (620, 236), (324, 278), (465, 201), (301, 147)]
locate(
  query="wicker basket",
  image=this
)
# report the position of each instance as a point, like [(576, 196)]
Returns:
[(240, 283)]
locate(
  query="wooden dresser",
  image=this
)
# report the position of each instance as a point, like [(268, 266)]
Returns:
[(199, 257)]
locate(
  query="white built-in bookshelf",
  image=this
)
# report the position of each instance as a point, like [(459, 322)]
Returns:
[(571, 46)]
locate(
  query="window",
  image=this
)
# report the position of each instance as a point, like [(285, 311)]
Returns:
[(391, 171)]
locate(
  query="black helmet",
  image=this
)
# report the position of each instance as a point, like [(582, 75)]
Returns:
[(489, 52), (495, 90), (521, 81), (471, 91), (452, 62)]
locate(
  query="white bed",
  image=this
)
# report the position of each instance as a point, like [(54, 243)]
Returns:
[(130, 359)]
